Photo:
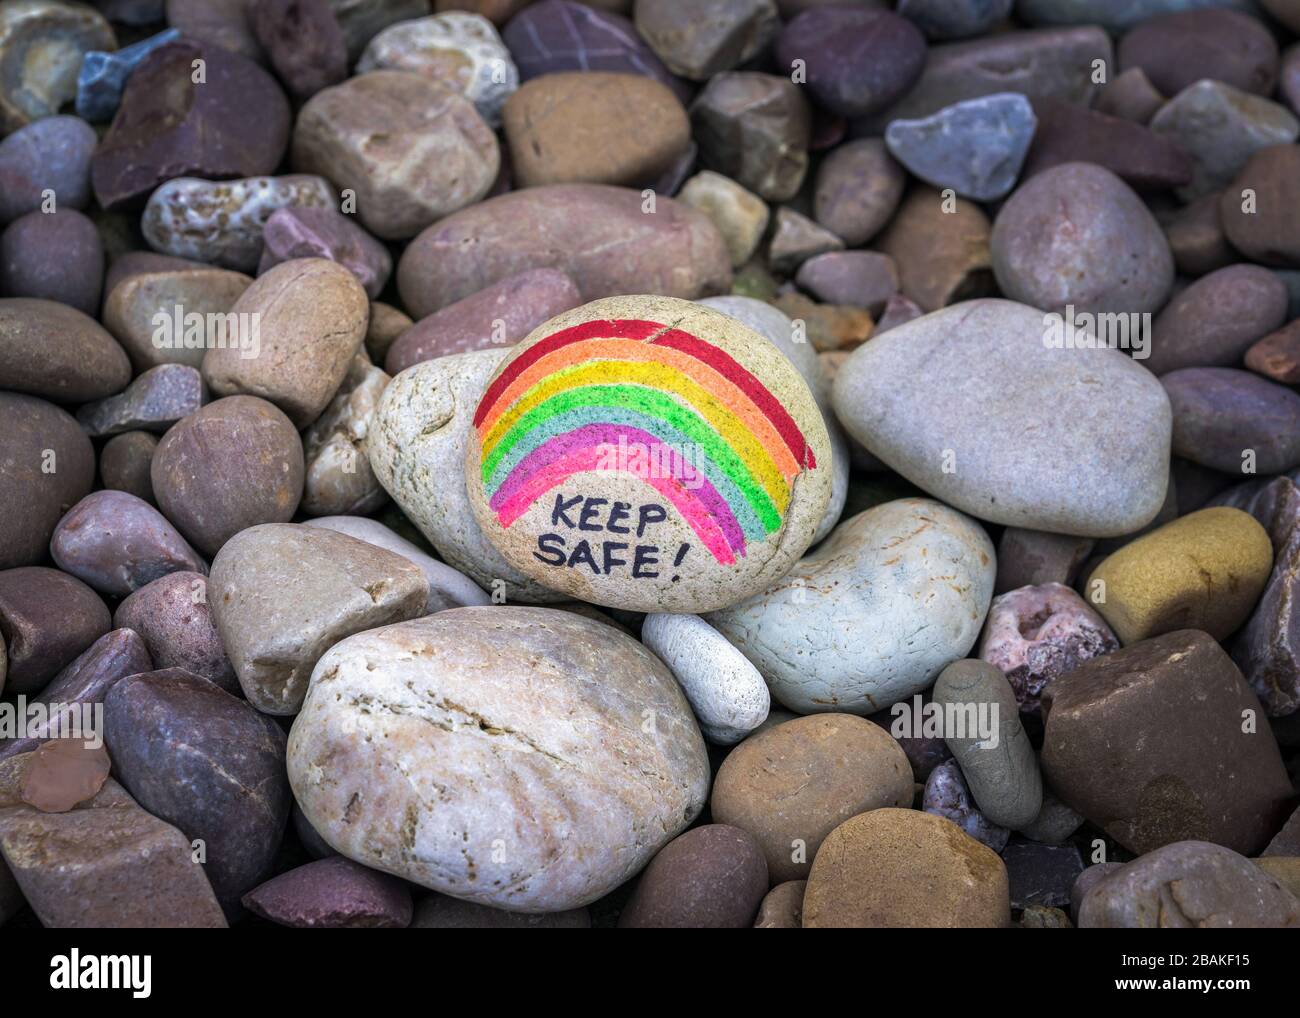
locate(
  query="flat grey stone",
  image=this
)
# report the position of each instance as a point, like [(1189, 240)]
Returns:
[(975, 147)]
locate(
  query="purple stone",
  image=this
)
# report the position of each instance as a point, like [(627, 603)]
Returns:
[(946, 795), (297, 232), (1034, 635), (53, 256), (559, 35), (333, 893)]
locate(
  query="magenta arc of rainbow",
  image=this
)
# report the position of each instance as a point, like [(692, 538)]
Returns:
[(706, 385)]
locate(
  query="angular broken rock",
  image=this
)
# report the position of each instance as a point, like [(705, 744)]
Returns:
[(155, 401), (1172, 718), (282, 594), (199, 758), (105, 864)]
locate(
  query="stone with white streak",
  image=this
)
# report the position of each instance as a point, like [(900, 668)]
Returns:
[(522, 758), (726, 692)]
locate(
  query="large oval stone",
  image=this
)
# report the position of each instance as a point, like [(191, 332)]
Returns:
[(651, 454), (598, 234), (524, 758), (878, 609), (972, 404)]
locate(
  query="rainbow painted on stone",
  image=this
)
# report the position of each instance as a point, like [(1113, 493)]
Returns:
[(563, 406)]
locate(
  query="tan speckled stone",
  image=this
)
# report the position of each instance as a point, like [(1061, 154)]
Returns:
[(651, 454), (282, 594), (312, 315), (782, 908), (791, 785), (131, 308), (902, 867), (523, 758), (1203, 571)]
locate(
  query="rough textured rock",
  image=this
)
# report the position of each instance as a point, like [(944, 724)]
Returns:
[(41, 46), (233, 464), (342, 586), (594, 232), (754, 128), (725, 691), (174, 620), (1034, 635), (168, 126), (1215, 888), (106, 864), (332, 893), (795, 239), (909, 582), (435, 155), (197, 757), (571, 794), (1168, 715), (691, 451), (221, 221), (997, 759), (461, 50), (902, 867), (790, 785), (995, 470), (103, 75)]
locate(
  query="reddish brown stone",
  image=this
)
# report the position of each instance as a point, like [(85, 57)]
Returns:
[(47, 618), (1151, 743), (1277, 355)]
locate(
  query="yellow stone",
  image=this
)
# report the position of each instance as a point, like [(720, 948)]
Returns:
[(1285, 869), (1204, 571)]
